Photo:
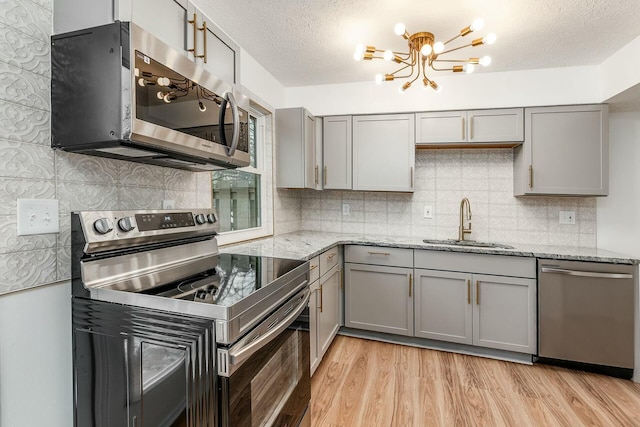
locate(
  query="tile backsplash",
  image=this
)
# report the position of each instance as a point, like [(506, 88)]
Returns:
[(30, 169), (442, 179)]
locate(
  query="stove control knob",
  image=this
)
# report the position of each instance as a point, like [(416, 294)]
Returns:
[(200, 219), (102, 226), (211, 218), (126, 224)]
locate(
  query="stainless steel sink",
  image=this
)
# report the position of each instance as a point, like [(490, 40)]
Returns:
[(470, 243)]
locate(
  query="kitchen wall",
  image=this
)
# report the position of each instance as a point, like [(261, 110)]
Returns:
[(442, 179), (29, 168)]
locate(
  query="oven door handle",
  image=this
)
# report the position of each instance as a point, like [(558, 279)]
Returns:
[(231, 359), (231, 149)]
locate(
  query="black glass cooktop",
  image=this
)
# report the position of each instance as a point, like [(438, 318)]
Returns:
[(232, 279)]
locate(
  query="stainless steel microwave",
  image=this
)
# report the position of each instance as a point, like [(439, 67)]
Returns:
[(119, 92)]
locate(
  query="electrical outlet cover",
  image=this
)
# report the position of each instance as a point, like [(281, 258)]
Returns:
[(38, 216), (346, 209), (567, 217), (428, 211)]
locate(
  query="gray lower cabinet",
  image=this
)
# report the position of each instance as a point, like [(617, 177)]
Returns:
[(481, 300), (504, 313), (325, 303), (379, 298), (329, 311), (443, 306), (565, 152)]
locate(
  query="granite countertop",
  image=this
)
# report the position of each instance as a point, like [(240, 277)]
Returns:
[(307, 244)]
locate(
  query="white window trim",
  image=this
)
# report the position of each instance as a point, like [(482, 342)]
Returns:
[(265, 229)]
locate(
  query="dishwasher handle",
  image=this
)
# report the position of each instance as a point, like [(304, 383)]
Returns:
[(580, 273)]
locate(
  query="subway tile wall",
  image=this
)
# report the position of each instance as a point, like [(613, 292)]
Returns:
[(29, 168), (442, 179)]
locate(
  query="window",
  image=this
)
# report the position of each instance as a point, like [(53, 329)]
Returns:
[(239, 194)]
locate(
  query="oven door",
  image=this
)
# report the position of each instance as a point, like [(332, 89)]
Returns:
[(265, 378)]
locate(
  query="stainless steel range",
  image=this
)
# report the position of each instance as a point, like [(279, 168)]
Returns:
[(169, 332)]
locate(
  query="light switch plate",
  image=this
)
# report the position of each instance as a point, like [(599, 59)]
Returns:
[(38, 216), (346, 209), (428, 211), (567, 217)]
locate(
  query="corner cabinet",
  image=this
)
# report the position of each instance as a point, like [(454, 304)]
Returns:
[(384, 152), (565, 152), (481, 300), (337, 152), (296, 161), (499, 126)]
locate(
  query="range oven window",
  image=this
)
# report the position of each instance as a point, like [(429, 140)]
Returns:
[(168, 99), (273, 385)]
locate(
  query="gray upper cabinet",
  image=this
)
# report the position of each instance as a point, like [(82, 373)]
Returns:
[(218, 53), (565, 152), (499, 126), (177, 23), (296, 149), (383, 152), (168, 20), (441, 127), (337, 150)]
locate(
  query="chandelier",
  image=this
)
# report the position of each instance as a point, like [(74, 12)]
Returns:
[(425, 51)]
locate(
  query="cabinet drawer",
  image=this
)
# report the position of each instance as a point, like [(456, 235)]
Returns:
[(379, 256), (329, 259), (314, 269), (499, 265)]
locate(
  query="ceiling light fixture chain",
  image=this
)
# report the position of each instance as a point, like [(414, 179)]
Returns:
[(425, 52)]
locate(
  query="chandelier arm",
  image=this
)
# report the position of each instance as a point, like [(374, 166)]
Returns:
[(466, 61), (400, 69), (456, 48), (440, 69), (451, 39)]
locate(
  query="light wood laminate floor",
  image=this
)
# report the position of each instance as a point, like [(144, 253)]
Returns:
[(374, 384)]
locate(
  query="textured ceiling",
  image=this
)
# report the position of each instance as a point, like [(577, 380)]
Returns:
[(312, 42)]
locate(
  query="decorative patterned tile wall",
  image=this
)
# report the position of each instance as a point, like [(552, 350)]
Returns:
[(29, 168), (443, 178)]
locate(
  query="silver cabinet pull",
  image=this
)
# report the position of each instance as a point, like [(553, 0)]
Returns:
[(316, 174), (471, 128), (324, 177), (586, 273), (379, 253)]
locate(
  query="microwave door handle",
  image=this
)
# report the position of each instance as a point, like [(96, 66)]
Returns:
[(231, 149), (238, 356)]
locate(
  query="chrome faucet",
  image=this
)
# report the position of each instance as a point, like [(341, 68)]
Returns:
[(461, 230)]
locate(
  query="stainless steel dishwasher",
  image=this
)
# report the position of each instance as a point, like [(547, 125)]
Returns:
[(585, 315)]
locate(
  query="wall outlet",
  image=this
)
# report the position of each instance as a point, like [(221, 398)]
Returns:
[(38, 216), (346, 209), (168, 204), (428, 211), (567, 217)]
